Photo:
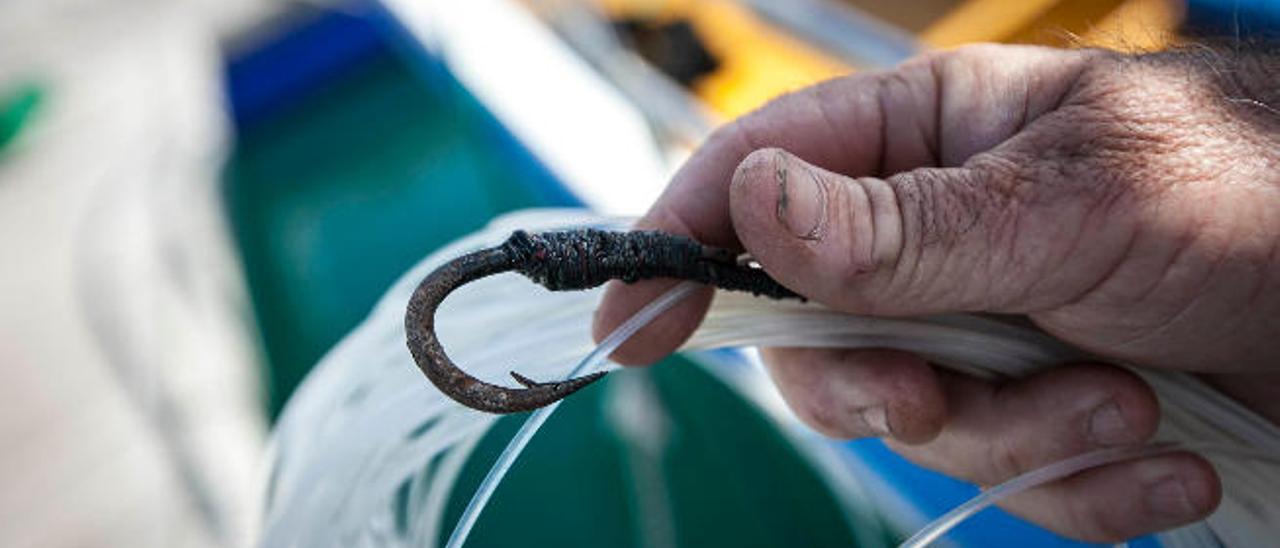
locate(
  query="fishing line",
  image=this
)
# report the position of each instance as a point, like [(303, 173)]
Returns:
[(597, 360), (1062, 469)]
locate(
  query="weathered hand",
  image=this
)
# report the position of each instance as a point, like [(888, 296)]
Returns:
[(1127, 204)]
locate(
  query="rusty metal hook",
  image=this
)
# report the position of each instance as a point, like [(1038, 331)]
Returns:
[(563, 261)]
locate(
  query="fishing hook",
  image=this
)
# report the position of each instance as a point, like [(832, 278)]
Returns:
[(563, 261)]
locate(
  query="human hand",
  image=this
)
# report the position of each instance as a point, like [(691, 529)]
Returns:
[(1129, 205)]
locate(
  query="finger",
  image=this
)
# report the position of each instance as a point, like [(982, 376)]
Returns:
[(939, 109), (1120, 501), (997, 431), (993, 433), (696, 202), (860, 393)]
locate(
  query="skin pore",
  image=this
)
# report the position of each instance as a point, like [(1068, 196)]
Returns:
[(1128, 204)]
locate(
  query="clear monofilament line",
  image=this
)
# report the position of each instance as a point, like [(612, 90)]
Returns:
[(1024, 482), (1064, 468), (593, 362)]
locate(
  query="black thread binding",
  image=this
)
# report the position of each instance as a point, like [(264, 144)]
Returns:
[(586, 258)]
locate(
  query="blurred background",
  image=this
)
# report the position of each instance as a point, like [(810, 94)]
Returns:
[(198, 198)]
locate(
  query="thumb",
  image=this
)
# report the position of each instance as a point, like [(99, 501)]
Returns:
[(925, 241)]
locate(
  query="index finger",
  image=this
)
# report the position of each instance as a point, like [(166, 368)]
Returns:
[(696, 202)]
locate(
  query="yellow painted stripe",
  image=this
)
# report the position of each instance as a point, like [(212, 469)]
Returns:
[(984, 21), (1141, 25)]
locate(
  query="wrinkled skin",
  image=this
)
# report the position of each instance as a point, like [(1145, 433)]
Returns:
[(1127, 204)]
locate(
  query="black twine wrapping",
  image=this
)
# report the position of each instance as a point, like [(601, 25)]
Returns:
[(587, 258)]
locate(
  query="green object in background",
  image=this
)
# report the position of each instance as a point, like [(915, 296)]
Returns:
[(336, 197), (16, 109), (727, 477)]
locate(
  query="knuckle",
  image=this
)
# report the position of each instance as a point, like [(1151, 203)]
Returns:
[(809, 393), (1136, 399), (847, 205), (825, 414), (827, 420), (869, 213), (915, 194), (886, 215)]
